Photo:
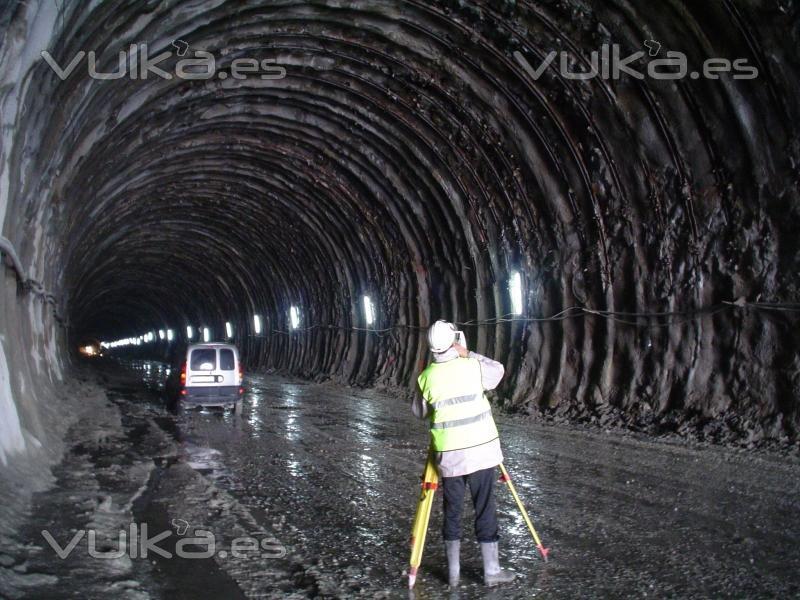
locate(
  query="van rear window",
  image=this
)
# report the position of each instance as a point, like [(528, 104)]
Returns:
[(226, 361), (203, 359)]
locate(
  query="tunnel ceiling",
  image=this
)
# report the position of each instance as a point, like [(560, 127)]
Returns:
[(411, 153)]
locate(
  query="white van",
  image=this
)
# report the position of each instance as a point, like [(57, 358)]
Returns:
[(212, 375)]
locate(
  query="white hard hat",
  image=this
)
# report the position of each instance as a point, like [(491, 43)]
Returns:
[(441, 336)]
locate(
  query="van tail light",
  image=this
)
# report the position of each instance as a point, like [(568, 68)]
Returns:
[(241, 374), (183, 373), (241, 390), (183, 392)]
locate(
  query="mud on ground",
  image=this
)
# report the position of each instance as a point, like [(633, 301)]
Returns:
[(329, 476)]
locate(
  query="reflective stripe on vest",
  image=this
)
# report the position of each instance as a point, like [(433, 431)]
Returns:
[(461, 416)]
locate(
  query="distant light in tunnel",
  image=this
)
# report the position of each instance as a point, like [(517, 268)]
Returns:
[(206, 334), (228, 329), (170, 335), (369, 310), (294, 317), (189, 332), (257, 323), (515, 290), (161, 334)]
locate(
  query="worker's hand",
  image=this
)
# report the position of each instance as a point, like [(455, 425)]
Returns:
[(462, 352)]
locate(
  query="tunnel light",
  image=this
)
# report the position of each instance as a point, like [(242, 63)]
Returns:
[(228, 329), (189, 332), (121, 343), (294, 317), (369, 310), (257, 323), (170, 335), (161, 334), (206, 334), (515, 291)]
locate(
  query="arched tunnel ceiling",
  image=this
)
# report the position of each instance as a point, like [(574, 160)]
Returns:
[(409, 153)]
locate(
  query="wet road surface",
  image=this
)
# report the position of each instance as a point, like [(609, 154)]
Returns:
[(325, 478)]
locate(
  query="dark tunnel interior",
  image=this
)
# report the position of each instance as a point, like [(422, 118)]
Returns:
[(407, 151), (421, 153), (407, 155)]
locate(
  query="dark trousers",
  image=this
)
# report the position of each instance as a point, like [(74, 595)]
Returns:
[(481, 487)]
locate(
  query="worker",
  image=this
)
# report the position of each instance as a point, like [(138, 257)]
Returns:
[(465, 440)]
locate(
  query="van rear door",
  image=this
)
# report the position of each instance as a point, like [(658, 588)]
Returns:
[(227, 366), (203, 367)]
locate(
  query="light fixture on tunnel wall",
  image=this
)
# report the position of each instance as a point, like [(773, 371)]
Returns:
[(515, 291), (294, 317), (161, 334), (206, 334), (170, 335), (228, 329), (369, 310), (189, 332), (257, 323)]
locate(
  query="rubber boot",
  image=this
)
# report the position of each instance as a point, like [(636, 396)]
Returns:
[(453, 548), (492, 573)]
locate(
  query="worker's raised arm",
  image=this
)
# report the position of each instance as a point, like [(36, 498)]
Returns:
[(419, 407), (491, 370)]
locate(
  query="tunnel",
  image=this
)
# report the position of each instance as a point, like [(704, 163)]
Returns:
[(601, 194)]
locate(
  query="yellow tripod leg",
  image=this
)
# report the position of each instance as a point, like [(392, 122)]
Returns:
[(525, 516), (430, 481)]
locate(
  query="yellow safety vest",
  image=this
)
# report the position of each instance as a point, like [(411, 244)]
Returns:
[(461, 416)]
